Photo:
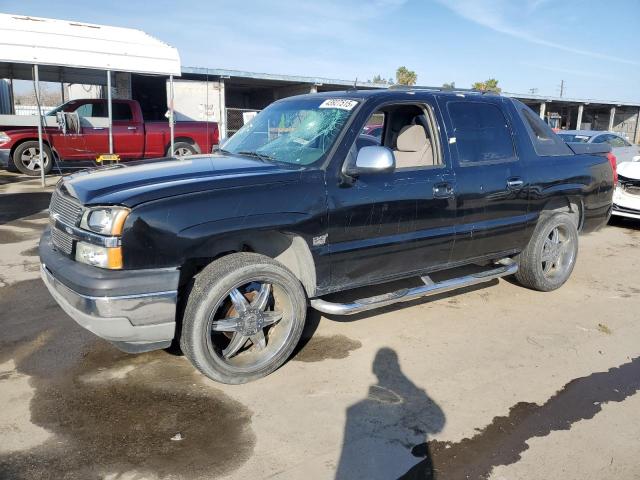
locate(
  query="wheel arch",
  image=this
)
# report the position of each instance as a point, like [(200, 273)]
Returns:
[(289, 249), (572, 205)]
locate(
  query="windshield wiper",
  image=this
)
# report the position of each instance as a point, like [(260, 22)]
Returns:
[(261, 156)]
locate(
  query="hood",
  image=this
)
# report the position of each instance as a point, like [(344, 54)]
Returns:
[(137, 182), (630, 170)]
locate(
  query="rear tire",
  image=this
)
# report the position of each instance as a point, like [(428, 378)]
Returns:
[(182, 149), (25, 158), (243, 318), (548, 260)]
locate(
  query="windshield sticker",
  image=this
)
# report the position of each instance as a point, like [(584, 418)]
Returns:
[(340, 103)]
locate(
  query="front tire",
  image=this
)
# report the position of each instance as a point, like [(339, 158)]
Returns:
[(26, 158), (243, 318), (548, 260)]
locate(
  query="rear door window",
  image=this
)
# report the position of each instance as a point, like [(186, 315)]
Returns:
[(616, 141), (122, 112), (481, 131)]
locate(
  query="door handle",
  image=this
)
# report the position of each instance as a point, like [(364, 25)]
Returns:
[(442, 190), (98, 128), (514, 183), (132, 128)]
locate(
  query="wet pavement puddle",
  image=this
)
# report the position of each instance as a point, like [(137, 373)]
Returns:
[(110, 412), (504, 440), (324, 347)]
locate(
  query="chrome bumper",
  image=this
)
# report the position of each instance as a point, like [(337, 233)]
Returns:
[(133, 323)]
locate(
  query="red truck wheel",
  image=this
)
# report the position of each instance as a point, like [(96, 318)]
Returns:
[(182, 149), (26, 158)]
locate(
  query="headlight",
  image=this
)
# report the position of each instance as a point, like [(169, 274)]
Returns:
[(4, 138), (98, 256), (107, 220)]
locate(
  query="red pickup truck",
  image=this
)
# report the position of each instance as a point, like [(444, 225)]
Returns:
[(133, 138)]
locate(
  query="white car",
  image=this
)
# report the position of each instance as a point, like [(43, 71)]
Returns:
[(621, 148), (626, 198)]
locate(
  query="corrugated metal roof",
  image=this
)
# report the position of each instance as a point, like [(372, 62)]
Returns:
[(220, 72), (239, 74), (46, 41)]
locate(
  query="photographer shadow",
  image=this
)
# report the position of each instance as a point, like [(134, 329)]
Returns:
[(382, 429)]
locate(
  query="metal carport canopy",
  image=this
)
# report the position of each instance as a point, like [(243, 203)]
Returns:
[(73, 51), (64, 43)]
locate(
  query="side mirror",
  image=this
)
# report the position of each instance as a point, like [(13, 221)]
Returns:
[(374, 159), (62, 122)]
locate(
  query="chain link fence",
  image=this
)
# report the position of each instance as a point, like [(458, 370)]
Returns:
[(237, 117)]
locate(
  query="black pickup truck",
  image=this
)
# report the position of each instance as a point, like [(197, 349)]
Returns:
[(224, 253)]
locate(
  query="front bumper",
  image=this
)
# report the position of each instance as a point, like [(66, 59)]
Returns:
[(626, 204), (136, 321), (5, 154)]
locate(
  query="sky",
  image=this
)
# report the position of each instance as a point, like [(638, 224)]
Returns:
[(593, 46)]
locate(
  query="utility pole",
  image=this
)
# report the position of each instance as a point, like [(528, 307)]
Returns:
[(561, 88), (533, 91)]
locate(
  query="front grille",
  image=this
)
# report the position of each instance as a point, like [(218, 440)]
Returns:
[(629, 185), (632, 189), (62, 240), (65, 209)]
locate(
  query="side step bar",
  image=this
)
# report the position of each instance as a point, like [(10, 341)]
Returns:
[(408, 294)]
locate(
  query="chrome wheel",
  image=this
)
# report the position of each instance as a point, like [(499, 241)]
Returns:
[(250, 325), (182, 152), (558, 252), (30, 159)]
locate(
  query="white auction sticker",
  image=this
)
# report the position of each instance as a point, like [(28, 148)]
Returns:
[(340, 103)]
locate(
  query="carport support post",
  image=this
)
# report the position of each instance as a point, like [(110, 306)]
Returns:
[(612, 114), (36, 77), (110, 111), (543, 107), (579, 122), (171, 126)]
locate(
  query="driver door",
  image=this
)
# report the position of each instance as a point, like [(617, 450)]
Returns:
[(386, 225)]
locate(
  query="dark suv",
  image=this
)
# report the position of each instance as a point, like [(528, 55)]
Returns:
[(224, 253)]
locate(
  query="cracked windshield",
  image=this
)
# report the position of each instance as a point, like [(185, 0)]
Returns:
[(298, 132)]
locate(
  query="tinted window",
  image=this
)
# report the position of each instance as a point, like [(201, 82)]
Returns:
[(545, 141), (482, 132), (122, 111), (600, 139), (574, 138)]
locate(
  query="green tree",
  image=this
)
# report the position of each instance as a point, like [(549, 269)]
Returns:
[(379, 79), (449, 86), (404, 76), (490, 85)]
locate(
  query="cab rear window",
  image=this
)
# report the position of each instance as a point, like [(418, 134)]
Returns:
[(545, 141)]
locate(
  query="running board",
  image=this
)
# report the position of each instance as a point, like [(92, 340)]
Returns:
[(408, 294)]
